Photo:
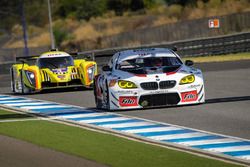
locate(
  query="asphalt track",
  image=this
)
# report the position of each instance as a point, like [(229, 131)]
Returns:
[(227, 108), (227, 102)]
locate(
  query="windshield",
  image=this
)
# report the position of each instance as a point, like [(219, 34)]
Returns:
[(150, 65), (56, 62)]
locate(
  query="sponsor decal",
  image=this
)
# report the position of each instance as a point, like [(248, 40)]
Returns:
[(61, 76), (127, 101), (112, 82), (189, 96), (158, 92), (126, 92), (54, 54), (194, 86), (59, 70)]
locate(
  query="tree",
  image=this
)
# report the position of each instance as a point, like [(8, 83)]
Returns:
[(81, 9)]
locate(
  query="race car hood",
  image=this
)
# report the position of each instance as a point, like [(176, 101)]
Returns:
[(157, 73)]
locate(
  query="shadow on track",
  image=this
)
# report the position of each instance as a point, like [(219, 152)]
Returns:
[(227, 99)]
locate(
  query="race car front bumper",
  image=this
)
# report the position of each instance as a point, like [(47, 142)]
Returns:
[(148, 99)]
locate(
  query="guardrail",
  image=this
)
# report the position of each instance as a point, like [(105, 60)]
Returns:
[(197, 47)]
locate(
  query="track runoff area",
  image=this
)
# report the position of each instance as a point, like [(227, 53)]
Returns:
[(215, 145)]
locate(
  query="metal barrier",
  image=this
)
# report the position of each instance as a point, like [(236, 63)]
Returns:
[(197, 47)]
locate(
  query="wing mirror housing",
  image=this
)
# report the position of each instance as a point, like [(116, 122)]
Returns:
[(106, 68), (189, 63)]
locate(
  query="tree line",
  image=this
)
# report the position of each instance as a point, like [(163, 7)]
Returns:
[(36, 11)]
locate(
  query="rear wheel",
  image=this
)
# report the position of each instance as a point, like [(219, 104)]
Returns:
[(97, 101), (13, 88), (107, 96)]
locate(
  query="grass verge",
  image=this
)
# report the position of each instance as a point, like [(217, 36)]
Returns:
[(103, 148), (220, 58)]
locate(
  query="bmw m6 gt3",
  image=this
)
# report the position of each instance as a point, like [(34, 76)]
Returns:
[(149, 77)]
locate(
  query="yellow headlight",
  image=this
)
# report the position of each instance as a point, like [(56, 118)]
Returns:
[(126, 84), (187, 79)]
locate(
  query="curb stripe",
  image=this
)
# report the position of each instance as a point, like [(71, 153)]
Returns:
[(177, 136), (211, 140), (129, 124), (139, 127), (238, 153), (153, 129), (93, 117), (26, 104), (128, 120), (170, 132), (68, 111), (195, 139), (206, 146)]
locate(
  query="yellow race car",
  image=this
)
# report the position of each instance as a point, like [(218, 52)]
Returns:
[(53, 69)]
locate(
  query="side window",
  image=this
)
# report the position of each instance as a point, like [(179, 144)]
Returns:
[(110, 64)]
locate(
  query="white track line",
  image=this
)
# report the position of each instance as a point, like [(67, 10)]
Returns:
[(178, 136), (156, 129), (24, 104), (247, 157), (229, 149), (68, 116), (104, 120), (43, 107), (209, 141), (124, 125)]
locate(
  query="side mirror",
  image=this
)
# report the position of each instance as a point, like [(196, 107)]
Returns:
[(189, 62), (106, 68), (174, 49)]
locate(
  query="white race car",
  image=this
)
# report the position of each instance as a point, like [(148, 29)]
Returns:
[(148, 77)]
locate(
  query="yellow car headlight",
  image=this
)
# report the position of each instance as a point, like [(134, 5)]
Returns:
[(187, 79), (126, 84)]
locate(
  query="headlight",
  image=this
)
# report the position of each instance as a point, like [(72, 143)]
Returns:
[(91, 72), (31, 77), (187, 79), (126, 84)]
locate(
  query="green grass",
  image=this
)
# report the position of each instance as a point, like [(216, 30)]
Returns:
[(220, 58), (103, 148)]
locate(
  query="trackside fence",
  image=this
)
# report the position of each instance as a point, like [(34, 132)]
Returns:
[(196, 47)]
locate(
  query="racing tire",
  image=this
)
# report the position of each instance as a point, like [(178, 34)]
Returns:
[(98, 103), (13, 88), (107, 96)]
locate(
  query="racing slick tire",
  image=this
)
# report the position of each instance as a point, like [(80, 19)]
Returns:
[(97, 101), (13, 88), (107, 96)]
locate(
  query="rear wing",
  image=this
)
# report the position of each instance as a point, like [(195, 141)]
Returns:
[(79, 55), (27, 59)]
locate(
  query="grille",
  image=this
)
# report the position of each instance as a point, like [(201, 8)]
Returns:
[(149, 85), (167, 84), (159, 99), (154, 85)]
